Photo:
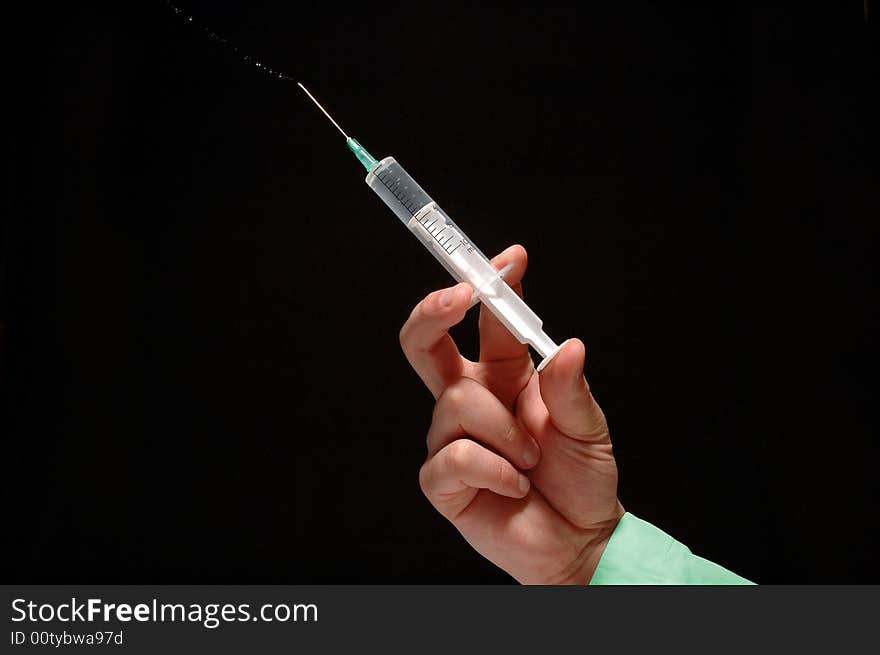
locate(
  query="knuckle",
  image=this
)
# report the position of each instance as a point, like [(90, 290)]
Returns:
[(417, 314), (455, 396), (425, 478), (511, 434), (504, 473), (403, 334), (459, 453), (407, 328)]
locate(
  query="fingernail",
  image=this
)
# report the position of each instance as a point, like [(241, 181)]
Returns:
[(523, 484), (531, 453)]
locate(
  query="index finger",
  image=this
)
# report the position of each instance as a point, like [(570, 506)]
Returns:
[(425, 337), (496, 341)]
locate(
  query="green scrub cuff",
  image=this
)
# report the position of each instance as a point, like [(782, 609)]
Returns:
[(640, 554)]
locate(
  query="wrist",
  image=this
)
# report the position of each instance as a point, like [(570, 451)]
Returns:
[(596, 540)]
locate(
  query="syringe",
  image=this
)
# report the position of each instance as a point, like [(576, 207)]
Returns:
[(445, 240)]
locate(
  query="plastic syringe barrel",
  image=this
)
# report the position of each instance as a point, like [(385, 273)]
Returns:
[(464, 261)]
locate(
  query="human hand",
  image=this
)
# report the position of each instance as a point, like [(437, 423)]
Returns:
[(520, 462)]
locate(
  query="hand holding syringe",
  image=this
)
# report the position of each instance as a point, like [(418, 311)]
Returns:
[(446, 241), (520, 463)]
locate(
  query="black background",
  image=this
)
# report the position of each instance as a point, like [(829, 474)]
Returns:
[(201, 297)]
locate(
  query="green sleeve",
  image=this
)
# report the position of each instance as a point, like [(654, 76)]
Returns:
[(639, 553)]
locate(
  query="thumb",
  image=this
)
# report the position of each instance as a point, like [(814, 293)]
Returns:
[(567, 396)]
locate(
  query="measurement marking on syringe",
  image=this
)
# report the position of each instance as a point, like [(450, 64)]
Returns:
[(444, 233), (407, 199)]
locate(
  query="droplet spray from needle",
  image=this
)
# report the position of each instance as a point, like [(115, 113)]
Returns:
[(364, 157)]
